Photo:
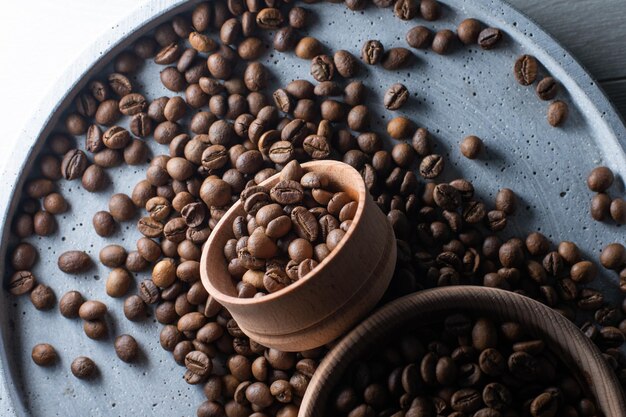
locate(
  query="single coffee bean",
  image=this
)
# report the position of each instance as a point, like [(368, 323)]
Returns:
[(506, 201), (525, 69), (103, 223), (600, 206), (70, 303), (73, 164), (488, 38), (83, 367), (600, 179), (547, 88), (92, 310), (471, 147), (134, 308), (346, 64), (618, 210), (44, 354), (126, 348), (419, 37), (21, 282), (395, 96), (613, 256), (372, 52), (95, 179), (431, 166), (322, 68), (121, 207), (443, 41), (74, 262), (396, 58), (557, 113), (468, 31), (42, 297)]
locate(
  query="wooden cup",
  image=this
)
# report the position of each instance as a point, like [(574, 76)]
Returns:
[(561, 336), (338, 293)]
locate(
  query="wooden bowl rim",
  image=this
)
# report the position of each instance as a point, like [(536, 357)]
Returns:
[(585, 355), (358, 186)]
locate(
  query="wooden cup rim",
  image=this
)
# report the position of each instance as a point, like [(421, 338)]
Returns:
[(357, 184)]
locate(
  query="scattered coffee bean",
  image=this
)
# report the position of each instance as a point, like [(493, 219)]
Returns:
[(83, 367), (126, 347), (44, 354), (600, 179), (557, 113), (395, 96), (525, 69), (74, 262), (471, 147)]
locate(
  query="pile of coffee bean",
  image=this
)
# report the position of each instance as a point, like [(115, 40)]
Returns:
[(463, 366), (224, 132), (287, 231), (526, 70), (602, 208)]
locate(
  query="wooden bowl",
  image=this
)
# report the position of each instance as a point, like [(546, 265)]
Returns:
[(561, 336), (338, 293)]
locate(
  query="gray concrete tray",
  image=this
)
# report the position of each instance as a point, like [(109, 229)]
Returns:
[(468, 92)]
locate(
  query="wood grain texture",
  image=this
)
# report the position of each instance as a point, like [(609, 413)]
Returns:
[(561, 336), (334, 297)]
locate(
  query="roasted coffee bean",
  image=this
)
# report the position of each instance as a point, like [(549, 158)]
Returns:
[(103, 223), (126, 348), (557, 113), (471, 147), (468, 31), (269, 18), (70, 303), (346, 64), (489, 38), (443, 41), (94, 179), (613, 256), (372, 52), (322, 68), (600, 179), (547, 88), (395, 96), (618, 210), (431, 166), (44, 354), (396, 58), (74, 262), (83, 367), (134, 308), (21, 282), (406, 9), (525, 69), (42, 297), (73, 164)]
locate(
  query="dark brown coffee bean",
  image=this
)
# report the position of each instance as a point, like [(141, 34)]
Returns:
[(443, 41), (613, 256), (316, 146), (83, 367), (396, 58), (305, 224), (447, 197), (466, 400), (618, 210), (471, 147), (126, 347), (524, 366), (121, 207), (489, 38), (468, 31), (44, 354), (21, 282), (395, 96), (557, 113), (148, 291), (134, 308), (108, 113), (103, 223), (74, 164), (42, 297), (95, 179), (547, 88), (372, 52), (322, 68), (431, 166), (600, 179), (525, 69), (74, 262), (406, 9), (346, 64), (70, 303)]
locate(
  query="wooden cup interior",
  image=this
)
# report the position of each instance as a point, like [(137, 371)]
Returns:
[(214, 269), (561, 336)]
